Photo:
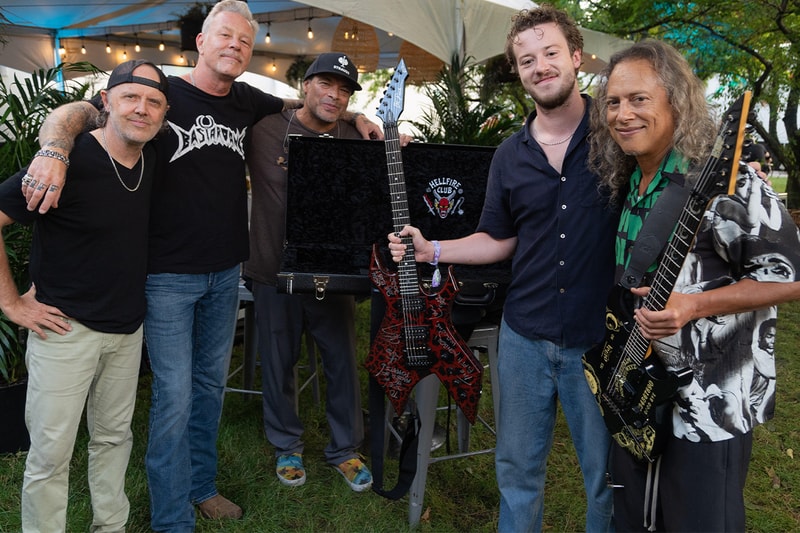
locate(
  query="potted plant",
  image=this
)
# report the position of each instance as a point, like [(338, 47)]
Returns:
[(297, 71), (24, 104)]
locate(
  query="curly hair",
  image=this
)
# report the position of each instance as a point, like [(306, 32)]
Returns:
[(545, 13), (231, 6), (694, 127)]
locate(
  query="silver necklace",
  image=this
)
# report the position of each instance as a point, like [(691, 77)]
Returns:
[(562, 141), (114, 165)]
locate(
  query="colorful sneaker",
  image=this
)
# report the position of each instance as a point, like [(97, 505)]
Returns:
[(356, 474), (290, 470)]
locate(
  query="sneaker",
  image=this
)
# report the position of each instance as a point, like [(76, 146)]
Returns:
[(356, 473), (218, 507), (290, 470)]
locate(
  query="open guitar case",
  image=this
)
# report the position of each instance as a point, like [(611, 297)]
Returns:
[(338, 205)]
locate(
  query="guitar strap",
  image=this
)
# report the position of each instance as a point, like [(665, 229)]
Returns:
[(656, 230), (377, 426), (408, 446)]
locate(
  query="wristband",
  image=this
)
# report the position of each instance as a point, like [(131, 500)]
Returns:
[(53, 154), (437, 251), (437, 276)]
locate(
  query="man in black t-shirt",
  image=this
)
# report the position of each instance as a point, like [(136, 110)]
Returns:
[(86, 306)]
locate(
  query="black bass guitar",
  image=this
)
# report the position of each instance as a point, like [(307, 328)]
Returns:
[(630, 384), (416, 336)]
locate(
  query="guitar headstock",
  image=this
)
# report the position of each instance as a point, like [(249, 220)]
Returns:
[(392, 102), (728, 145)]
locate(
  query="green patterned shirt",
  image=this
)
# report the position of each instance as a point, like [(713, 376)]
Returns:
[(637, 207)]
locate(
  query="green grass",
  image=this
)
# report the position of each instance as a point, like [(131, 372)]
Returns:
[(461, 494)]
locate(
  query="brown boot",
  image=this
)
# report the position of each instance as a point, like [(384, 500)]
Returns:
[(218, 507)]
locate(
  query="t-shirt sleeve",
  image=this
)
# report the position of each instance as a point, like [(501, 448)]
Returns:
[(757, 233), (265, 103), (12, 201)]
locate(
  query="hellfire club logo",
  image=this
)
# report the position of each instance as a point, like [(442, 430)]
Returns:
[(444, 196)]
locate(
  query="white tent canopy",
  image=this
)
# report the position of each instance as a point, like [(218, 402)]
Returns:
[(473, 28)]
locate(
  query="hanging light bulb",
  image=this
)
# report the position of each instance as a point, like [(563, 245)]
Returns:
[(62, 51), (181, 60), (161, 44), (124, 52), (137, 47), (273, 67), (83, 47), (268, 38), (108, 46), (310, 31)]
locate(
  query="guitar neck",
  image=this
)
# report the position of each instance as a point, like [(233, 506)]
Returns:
[(407, 269), (714, 178)]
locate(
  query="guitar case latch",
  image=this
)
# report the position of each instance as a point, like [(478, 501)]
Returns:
[(320, 283)]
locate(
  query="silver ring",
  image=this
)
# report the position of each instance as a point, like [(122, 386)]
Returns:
[(26, 179), (53, 188)]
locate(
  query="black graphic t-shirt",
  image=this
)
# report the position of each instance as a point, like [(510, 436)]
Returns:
[(199, 211)]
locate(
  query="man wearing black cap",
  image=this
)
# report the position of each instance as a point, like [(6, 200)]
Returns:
[(328, 85), (85, 309)]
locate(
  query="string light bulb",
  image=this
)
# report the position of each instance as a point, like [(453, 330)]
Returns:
[(62, 51), (310, 31), (124, 52), (268, 38), (161, 44), (108, 46), (273, 67), (180, 59), (136, 46), (83, 47)]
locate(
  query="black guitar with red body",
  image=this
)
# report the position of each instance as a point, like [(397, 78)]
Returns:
[(416, 336)]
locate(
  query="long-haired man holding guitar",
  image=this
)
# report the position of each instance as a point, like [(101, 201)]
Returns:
[(651, 127), (544, 210)]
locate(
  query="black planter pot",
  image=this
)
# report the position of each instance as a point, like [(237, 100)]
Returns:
[(14, 435)]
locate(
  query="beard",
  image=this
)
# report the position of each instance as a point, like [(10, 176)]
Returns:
[(557, 99)]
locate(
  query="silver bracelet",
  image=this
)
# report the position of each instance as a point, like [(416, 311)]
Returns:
[(52, 153)]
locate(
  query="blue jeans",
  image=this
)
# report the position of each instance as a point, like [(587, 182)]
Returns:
[(534, 374), (189, 333)]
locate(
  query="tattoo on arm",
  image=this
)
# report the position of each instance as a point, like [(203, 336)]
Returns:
[(64, 124)]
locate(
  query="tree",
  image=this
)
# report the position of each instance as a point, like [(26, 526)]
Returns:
[(747, 44)]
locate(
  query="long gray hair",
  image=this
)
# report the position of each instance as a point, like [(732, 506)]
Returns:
[(694, 128)]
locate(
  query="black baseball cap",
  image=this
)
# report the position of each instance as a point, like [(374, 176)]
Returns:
[(335, 63), (123, 73)]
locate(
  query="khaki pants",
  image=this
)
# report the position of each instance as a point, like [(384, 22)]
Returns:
[(65, 372)]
